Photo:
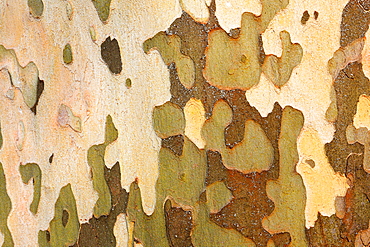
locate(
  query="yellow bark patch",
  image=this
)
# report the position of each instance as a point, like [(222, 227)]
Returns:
[(121, 230), (362, 117), (194, 118), (323, 185), (366, 55)]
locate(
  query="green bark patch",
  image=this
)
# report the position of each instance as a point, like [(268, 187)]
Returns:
[(218, 196), (128, 83), (148, 230), (181, 178), (6, 206), (279, 69), (235, 63), (95, 159), (62, 233), (99, 231), (28, 172), (36, 7), (67, 54), (255, 145), (168, 120), (169, 47), (206, 233), (288, 191), (103, 9)]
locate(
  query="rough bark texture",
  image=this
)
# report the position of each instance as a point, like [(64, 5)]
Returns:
[(182, 123)]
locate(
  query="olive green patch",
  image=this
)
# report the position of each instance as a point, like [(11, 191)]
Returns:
[(95, 159), (100, 231), (169, 47), (207, 233), (92, 33), (33, 171), (36, 8), (128, 83), (254, 153), (279, 70), (288, 191), (62, 233), (168, 120), (103, 8), (6, 206), (218, 195), (149, 230), (67, 54), (234, 63), (331, 113), (180, 178)]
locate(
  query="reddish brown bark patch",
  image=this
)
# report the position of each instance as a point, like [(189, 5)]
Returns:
[(178, 226), (174, 143)]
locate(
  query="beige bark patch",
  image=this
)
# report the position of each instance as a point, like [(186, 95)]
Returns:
[(362, 238), (194, 118), (323, 185), (67, 118), (197, 9), (366, 55), (229, 12), (87, 87), (309, 86), (121, 231)]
